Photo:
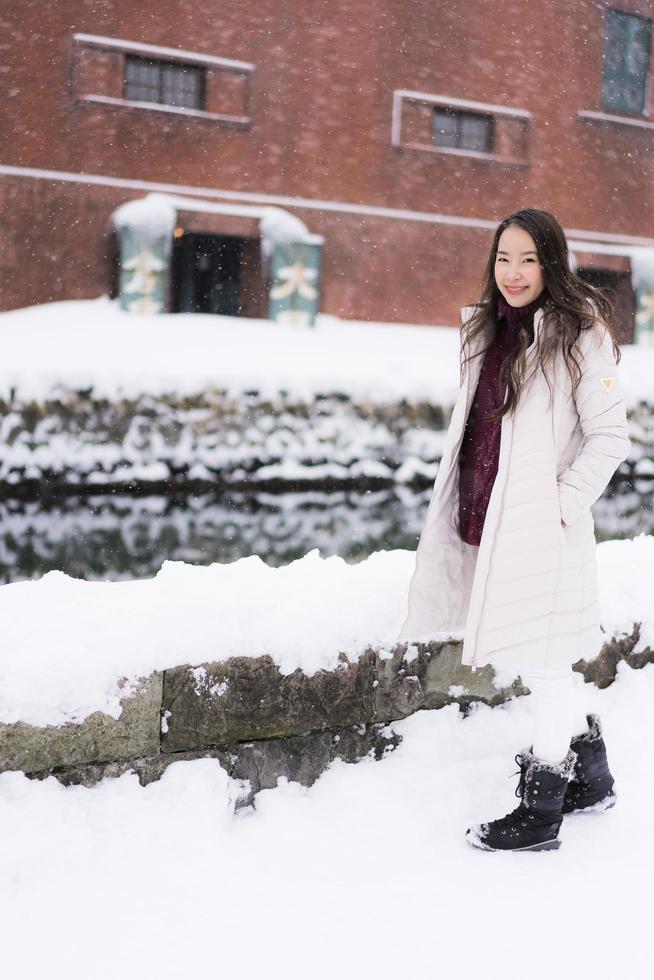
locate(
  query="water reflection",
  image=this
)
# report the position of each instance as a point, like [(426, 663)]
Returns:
[(129, 537)]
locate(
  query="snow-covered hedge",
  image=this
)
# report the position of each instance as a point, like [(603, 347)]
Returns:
[(215, 439)]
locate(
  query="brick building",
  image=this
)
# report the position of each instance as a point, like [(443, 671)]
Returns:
[(398, 132)]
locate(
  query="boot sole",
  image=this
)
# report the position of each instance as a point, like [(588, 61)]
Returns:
[(548, 845), (600, 807)]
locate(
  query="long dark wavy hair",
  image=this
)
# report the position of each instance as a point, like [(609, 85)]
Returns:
[(570, 305)]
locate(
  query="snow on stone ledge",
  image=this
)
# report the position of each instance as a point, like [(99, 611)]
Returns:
[(66, 642)]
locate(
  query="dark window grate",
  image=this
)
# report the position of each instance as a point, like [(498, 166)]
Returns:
[(163, 82), (462, 130), (627, 43)]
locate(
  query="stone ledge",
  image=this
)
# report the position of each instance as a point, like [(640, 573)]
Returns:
[(248, 698), (259, 764), (261, 725), (99, 738)]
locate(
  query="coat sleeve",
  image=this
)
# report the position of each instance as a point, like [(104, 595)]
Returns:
[(602, 415)]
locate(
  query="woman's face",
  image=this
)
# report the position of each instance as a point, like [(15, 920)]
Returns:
[(518, 272)]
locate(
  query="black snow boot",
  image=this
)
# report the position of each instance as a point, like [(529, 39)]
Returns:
[(534, 824), (591, 787)]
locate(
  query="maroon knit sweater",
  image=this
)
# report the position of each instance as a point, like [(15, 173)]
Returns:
[(480, 449)]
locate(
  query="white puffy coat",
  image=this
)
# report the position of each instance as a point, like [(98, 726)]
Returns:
[(530, 597)]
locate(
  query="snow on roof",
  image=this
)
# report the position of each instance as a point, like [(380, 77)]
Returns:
[(154, 214), (157, 213)]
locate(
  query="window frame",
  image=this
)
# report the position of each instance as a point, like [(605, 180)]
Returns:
[(85, 90), (511, 128)]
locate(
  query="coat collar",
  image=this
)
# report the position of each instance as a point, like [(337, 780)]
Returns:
[(467, 311)]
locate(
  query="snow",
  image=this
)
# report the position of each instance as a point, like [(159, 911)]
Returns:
[(279, 226), (67, 643), (156, 213), (365, 874), (77, 345), (301, 614), (82, 344)]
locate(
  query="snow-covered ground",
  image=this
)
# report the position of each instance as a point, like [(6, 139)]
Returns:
[(367, 873), (78, 345), (364, 876), (91, 343), (65, 642)]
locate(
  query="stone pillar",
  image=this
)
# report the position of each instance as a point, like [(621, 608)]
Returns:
[(295, 289)]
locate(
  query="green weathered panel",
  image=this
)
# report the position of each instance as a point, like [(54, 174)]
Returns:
[(295, 288), (144, 266), (627, 44)]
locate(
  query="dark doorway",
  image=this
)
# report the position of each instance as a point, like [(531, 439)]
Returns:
[(619, 288), (206, 274)]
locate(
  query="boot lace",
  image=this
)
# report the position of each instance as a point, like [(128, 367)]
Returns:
[(520, 812)]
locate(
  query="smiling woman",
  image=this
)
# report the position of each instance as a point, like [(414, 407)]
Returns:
[(538, 430), (518, 272)]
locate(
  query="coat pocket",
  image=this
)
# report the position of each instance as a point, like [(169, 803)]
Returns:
[(575, 535)]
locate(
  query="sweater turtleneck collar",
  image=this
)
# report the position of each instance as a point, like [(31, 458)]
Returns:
[(516, 316)]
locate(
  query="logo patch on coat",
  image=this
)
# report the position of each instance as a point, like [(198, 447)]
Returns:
[(607, 382)]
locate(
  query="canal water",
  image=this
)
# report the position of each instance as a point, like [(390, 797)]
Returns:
[(114, 538)]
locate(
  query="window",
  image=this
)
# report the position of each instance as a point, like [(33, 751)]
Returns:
[(136, 77), (627, 44), (462, 130), (164, 82), (447, 125)]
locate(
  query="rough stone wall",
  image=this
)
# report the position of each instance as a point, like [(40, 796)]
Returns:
[(213, 440), (79, 440), (260, 724)]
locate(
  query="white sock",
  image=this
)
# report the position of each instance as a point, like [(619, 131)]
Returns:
[(557, 711)]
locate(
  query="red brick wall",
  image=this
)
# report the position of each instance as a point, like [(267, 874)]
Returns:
[(57, 245), (321, 117)]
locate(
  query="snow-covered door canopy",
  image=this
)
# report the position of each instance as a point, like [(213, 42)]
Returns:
[(145, 229)]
